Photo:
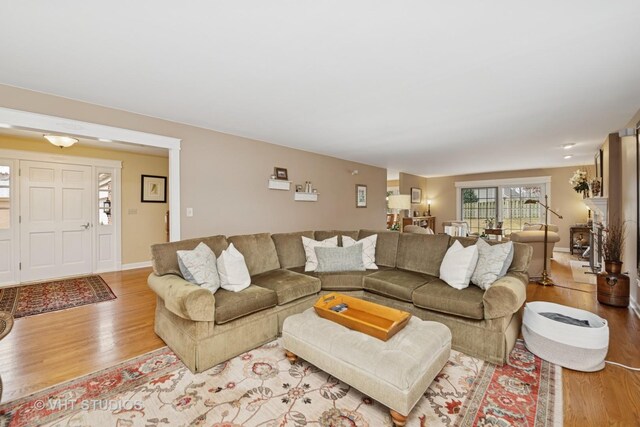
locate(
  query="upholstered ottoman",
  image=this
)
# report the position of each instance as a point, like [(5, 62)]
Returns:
[(396, 373)]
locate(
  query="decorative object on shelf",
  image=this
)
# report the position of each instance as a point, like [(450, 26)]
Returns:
[(580, 182), (416, 195), (153, 189), (298, 188), (361, 196), (595, 187), (428, 212), (281, 173), (545, 280), (307, 187)]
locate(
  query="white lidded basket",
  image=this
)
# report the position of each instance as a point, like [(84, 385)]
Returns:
[(575, 347)]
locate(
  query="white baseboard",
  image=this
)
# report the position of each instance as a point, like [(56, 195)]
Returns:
[(557, 249), (135, 265)]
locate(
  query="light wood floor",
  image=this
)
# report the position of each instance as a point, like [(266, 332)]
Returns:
[(47, 349)]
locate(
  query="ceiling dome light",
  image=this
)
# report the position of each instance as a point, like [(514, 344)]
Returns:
[(5, 126), (568, 156), (61, 140), (567, 146)]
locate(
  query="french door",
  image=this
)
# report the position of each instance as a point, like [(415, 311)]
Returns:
[(55, 220)]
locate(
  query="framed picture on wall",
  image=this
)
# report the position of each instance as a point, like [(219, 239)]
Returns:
[(599, 168), (281, 173), (416, 195), (361, 196), (154, 189)]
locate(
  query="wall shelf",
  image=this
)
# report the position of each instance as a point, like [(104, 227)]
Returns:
[(279, 184), (300, 196)]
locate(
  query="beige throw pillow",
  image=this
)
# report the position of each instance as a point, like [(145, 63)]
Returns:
[(368, 249), (310, 253)]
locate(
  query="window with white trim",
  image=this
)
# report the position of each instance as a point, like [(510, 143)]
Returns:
[(501, 201)]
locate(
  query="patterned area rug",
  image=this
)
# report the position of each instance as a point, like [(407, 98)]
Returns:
[(27, 300), (261, 388)]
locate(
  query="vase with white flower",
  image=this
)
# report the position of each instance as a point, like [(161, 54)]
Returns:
[(580, 182)]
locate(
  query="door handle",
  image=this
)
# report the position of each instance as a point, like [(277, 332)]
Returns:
[(85, 226)]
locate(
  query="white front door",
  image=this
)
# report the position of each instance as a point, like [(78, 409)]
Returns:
[(56, 220)]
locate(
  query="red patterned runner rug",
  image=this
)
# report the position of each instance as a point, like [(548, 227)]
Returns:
[(261, 388), (27, 300)]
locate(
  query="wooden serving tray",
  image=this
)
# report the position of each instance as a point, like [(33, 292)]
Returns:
[(363, 316)]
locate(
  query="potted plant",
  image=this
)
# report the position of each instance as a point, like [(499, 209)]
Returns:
[(612, 247)]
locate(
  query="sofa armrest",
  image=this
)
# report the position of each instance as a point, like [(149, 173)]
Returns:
[(182, 298), (505, 296)]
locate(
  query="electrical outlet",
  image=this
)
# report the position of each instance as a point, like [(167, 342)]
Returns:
[(189, 212)]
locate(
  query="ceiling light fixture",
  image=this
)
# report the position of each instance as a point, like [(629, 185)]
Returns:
[(567, 146), (105, 140), (568, 156), (5, 126), (61, 140)]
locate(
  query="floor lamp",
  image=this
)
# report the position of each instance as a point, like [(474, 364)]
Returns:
[(545, 281)]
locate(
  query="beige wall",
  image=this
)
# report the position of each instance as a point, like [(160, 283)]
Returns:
[(406, 182), (563, 199), (139, 230), (629, 210), (224, 177)]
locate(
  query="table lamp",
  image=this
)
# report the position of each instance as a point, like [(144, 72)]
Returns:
[(400, 202)]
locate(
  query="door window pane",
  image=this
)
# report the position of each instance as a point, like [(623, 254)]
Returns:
[(105, 198), (479, 205), (515, 213), (5, 197)]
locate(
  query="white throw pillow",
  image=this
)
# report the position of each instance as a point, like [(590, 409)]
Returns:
[(491, 261), (368, 249), (198, 266), (310, 253), (458, 265), (234, 274)]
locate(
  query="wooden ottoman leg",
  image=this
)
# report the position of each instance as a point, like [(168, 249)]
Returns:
[(398, 419), (292, 357)]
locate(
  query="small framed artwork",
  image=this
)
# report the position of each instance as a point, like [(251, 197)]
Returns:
[(154, 189), (416, 195), (361, 196), (281, 173)]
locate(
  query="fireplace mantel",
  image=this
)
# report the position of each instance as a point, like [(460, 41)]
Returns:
[(599, 206)]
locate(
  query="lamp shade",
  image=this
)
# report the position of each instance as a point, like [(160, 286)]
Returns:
[(399, 201)]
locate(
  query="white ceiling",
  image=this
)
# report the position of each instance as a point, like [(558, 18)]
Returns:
[(427, 87)]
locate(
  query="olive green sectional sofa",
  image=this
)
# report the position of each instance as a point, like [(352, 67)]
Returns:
[(205, 329)]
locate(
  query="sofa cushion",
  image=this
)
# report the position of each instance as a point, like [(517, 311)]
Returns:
[(288, 285), (438, 296), (340, 281), (199, 267), (259, 252), (522, 252), (326, 234), (165, 258), (386, 246), (232, 268), (233, 305), (493, 262), (422, 253), (339, 259), (289, 248), (368, 249), (398, 284)]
